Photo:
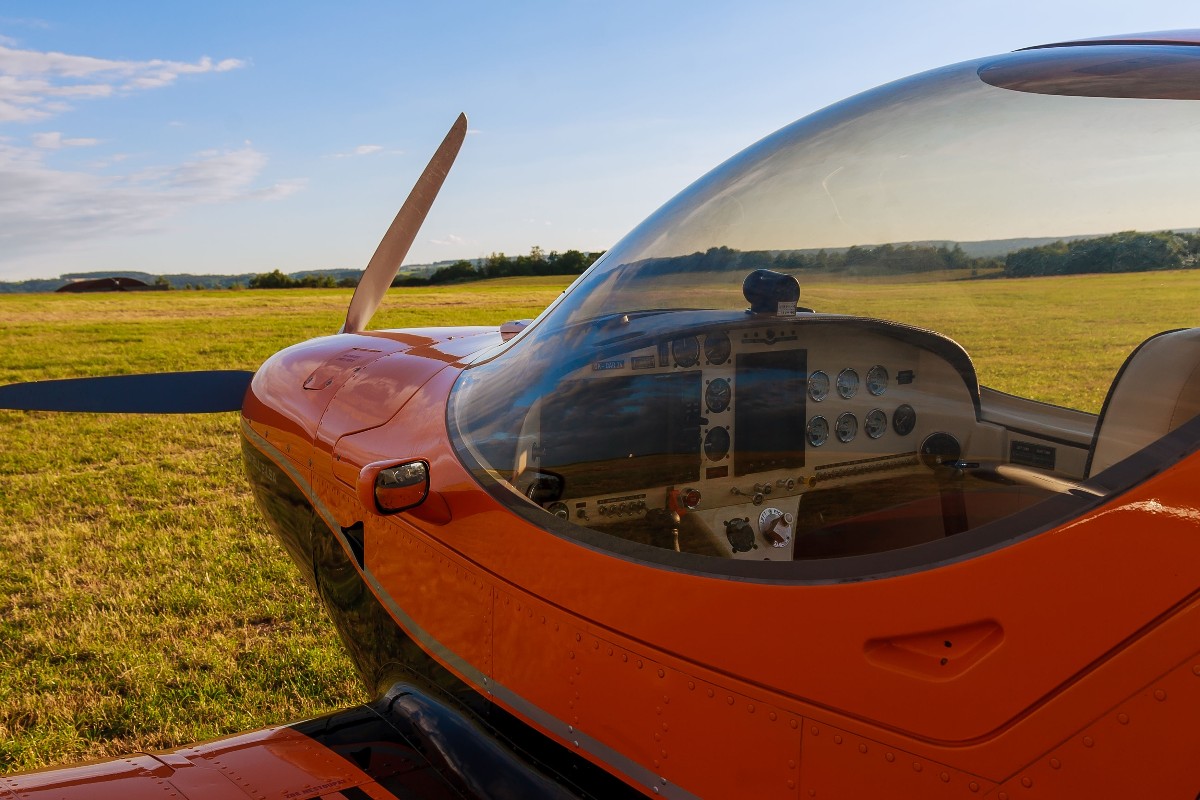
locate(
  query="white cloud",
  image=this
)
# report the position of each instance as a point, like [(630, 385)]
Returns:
[(48, 209), (54, 140), (451, 240), (35, 85), (44, 209), (366, 150)]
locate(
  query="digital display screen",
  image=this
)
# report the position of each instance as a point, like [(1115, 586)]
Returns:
[(612, 434), (769, 411)]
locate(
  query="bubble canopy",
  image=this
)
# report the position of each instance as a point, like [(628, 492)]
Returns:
[(1037, 209)]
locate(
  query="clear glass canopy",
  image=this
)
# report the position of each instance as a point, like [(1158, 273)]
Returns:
[(1021, 222)]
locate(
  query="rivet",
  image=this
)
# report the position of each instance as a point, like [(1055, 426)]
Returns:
[(1055, 763), (570, 729), (791, 784), (658, 710), (656, 790), (664, 753), (578, 637), (710, 692), (791, 763), (1088, 741), (973, 786), (862, 748), (729, 700), (596, 645), (1027, 782), (639, 663), (610, 651), (750, 708), (773, 716), (665, 726), (945, 776), (692, 685), (624, 656), (837, 739), (1160, 695), (889, 757), (794, 723), (1002, 796), (657, 737), (572, 654), (666, 700), (662, 673), (555, 624), (1196, 670), (917, 766), (543, 620), (655, 762), (576, 743), (1123, 719)]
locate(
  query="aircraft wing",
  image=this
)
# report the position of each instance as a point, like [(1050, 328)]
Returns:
[(405, 745)]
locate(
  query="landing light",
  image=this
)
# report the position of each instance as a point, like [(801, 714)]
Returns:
[(395, 487)]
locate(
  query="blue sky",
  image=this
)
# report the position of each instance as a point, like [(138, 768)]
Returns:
[(224, 137)]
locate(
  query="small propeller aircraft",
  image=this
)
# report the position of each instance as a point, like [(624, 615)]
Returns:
[(729, 519)]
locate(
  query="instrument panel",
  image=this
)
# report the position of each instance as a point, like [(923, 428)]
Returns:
[(720, 426)]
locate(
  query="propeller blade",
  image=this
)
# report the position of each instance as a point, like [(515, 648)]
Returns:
[(156, 393), (384, 265)]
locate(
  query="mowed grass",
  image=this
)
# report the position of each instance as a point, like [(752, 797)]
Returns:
[(142, 604)]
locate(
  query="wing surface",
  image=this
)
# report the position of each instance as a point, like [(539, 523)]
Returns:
[(403, 746)]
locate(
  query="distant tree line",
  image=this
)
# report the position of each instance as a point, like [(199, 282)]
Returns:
[(277, 280), (498, 265), (878, 260), (1129, 251)]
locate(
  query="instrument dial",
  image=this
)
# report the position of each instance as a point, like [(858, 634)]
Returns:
[(818, 431), (877, 380), (904, 419), (716, 444), (846, 427), (875, 423), (818, 386), (847, 383), (717, 347), (717, 395), (686, 351)]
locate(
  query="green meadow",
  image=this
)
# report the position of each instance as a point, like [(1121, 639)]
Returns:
[(142, 604)]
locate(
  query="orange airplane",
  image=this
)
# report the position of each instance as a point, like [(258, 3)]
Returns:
[(729, 519)]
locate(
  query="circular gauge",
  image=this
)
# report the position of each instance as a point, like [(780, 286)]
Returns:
[(904, 419), (818, 431), (686, 351), (716, 347), (818, 386), (846, 427), (716, 444), (847, 383), (875, 423), (717, 395), (877, 380)]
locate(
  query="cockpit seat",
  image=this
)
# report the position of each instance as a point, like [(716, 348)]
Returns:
[(1156, 390)]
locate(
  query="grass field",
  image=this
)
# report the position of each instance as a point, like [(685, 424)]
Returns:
[(142, 604)]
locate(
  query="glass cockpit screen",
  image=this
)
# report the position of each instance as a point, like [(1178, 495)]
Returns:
[(769, 410), (611, 434)]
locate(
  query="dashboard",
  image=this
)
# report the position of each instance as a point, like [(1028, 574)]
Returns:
[(757, 439)]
